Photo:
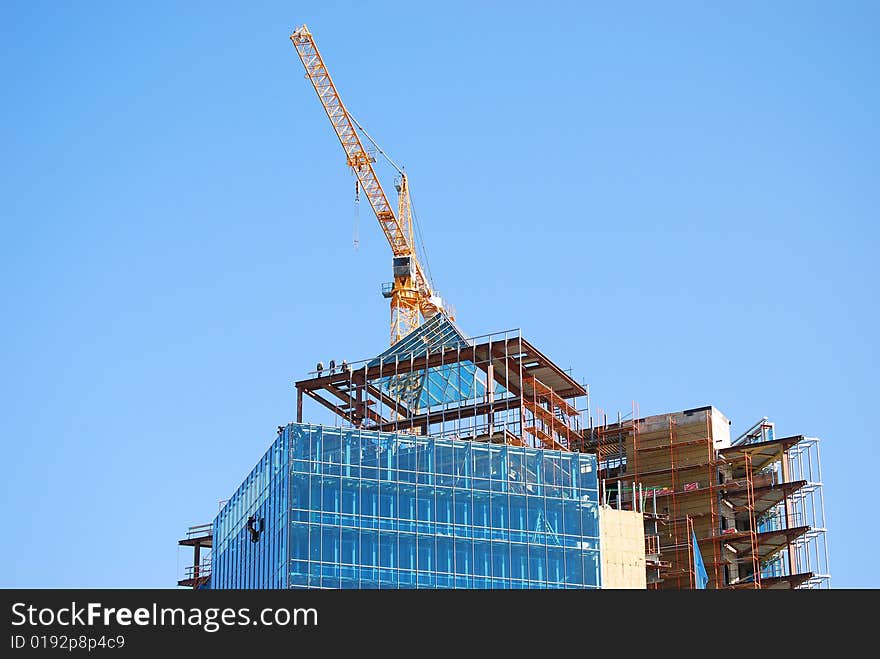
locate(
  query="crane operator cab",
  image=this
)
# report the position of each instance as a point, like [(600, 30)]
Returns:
[(403, 267)]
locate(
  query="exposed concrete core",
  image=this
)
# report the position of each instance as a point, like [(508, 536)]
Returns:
[(622, 539)]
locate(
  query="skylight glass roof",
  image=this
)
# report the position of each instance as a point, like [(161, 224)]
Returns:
[(439, 385)]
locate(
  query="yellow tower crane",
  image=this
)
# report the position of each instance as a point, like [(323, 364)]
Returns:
[(412, 298)]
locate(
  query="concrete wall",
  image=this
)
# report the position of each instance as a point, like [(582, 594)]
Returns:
[(622, 544), (720, 429), (720, 425)]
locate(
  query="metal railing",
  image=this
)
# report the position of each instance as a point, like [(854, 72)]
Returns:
[(762, 431), (199, 530), (200, 571)]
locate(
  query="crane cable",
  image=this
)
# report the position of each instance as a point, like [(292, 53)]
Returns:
[(378, 148), (412, 204), (357, 206), (418, 226)]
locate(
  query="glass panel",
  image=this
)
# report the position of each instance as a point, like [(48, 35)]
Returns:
[(314, 542), (480, 456), (553, 521), (330, 539), (387, 549), (464, 559), (552, 477), (299, 541), (348, 547), (423, 506), (461, 464), (537, 564), (331, 495), (501, 561), (426, 553), (331, 450), (516, 476), (499, 516), (445, 463), (519, 523), (445, 554), (482, 559), (589, 520), (571, 518), (349, 496), (574, 568), (555, 566), (407, 551), (536, 520), (463, 503), (519, 561), (482, 515), (445, 511), (426, 461), (482, 484)]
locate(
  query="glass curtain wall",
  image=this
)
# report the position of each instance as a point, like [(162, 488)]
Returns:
[(255, 557), (383, 510), (331, 507)]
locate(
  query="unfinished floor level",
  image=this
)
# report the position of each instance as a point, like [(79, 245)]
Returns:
[(754, 504)]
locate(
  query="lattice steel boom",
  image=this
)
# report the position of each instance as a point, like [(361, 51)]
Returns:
[(412, 298)]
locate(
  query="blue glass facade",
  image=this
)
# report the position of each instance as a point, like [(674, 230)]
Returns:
[(238, 561), (350, 508)]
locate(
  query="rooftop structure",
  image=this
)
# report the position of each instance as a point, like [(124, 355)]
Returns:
[(497, 387)]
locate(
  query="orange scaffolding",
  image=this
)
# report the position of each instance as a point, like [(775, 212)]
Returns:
[(677, 464)]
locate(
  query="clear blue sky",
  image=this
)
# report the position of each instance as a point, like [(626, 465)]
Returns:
[(677, 200)]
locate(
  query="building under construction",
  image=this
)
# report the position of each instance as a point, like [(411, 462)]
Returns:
[(477, 462), (751, 507)]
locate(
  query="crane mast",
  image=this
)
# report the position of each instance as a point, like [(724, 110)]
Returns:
[(412, 298)]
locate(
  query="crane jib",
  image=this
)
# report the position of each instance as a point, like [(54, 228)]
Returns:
[(411, 294)]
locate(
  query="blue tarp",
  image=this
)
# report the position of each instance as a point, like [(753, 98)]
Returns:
[(702, 577)]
